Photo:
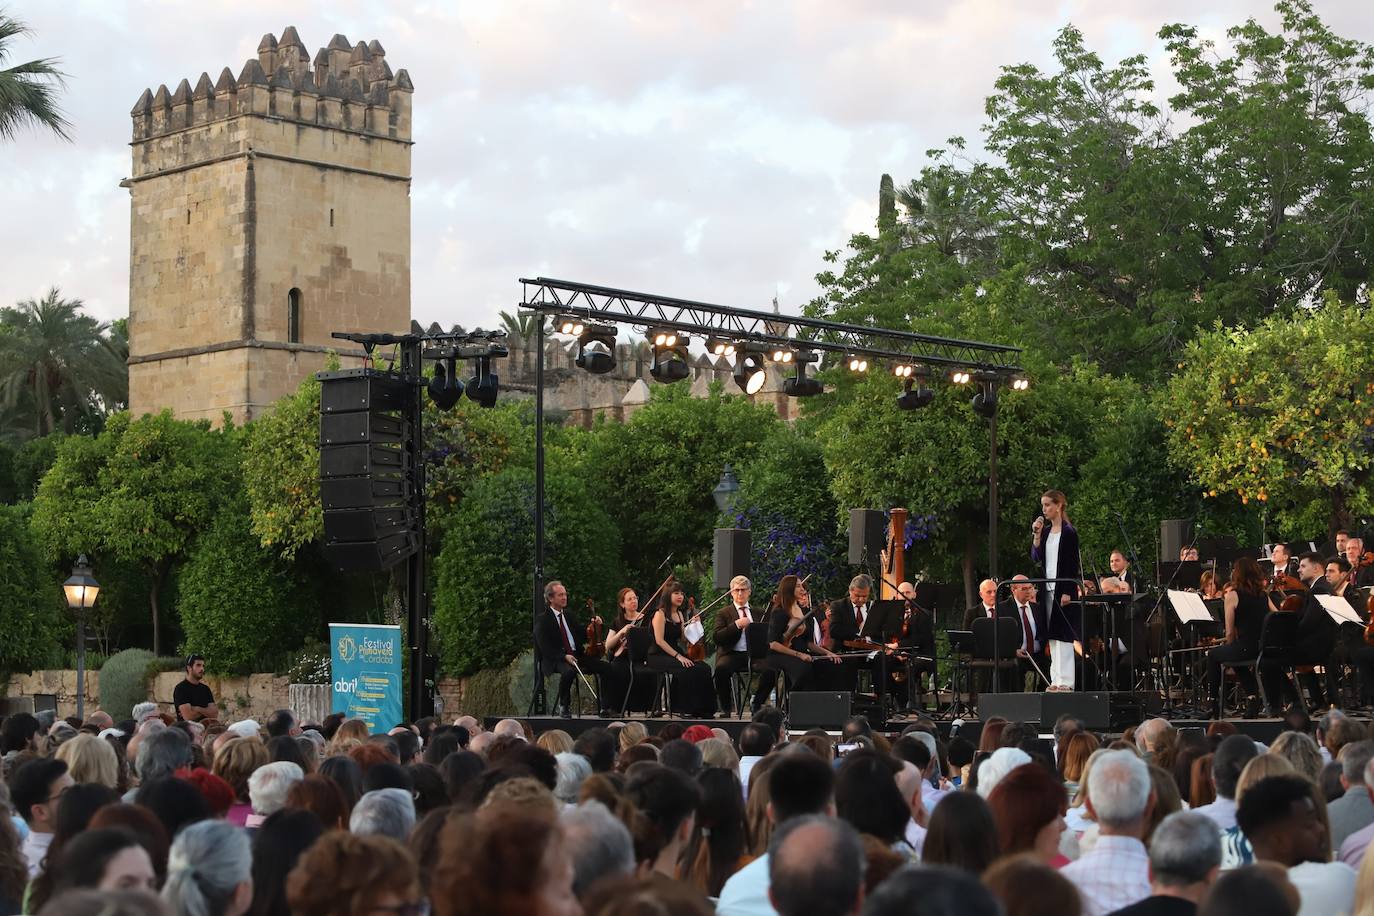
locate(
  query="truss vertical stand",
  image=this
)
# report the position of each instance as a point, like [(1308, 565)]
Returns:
[(538, 701)]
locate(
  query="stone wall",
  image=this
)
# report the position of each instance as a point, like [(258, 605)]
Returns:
[(255, 695)]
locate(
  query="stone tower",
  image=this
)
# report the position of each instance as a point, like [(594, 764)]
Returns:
[(267, 212)]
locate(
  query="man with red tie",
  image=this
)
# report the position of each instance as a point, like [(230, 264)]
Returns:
[(557, 639), (1026, 611), (731, 636), (853, 618)]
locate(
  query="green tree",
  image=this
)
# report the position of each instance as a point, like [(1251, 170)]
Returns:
[(240, 605), (656, 473), (281, 472), (467, 443), (140, 491), (28, 91), (32, 615), (482, 607), (63, 369), (1281, 415)]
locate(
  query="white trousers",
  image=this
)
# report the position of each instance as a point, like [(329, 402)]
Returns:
[(1061, 663)]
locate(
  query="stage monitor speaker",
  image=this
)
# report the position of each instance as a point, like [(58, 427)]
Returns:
[(826, 709), (1174, 535), (1014, 707), (731, 555), (1094, 708), (867, 536)]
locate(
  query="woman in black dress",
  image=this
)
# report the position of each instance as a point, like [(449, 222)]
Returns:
[(796, 656), (624, 692), (1245, 605), (692, 692)]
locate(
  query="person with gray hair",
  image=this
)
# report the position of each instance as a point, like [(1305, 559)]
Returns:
[(1148, 734), (572, 770), (384, 812), (209, 871), (142, 711), (160, 755), (815, 865), (1185, 859), (599, 843), (1353, 811), (1116, 872), (267, 788)]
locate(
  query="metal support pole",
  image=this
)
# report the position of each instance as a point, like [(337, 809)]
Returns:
[(81, 665), (417, 579), (992, 495), (538, 702)]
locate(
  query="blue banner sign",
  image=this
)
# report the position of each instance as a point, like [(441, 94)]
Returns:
[(365, 669)]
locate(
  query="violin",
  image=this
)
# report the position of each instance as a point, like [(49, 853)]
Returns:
[(596, 637), (1290, 591), (695, 651), (1369, 610)]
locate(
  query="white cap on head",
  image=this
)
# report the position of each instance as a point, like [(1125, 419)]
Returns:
[(244, 728)]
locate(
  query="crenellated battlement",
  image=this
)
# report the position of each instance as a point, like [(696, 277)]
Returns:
[(350, 87)]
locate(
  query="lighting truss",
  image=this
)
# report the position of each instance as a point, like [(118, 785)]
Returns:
[(591, 303)]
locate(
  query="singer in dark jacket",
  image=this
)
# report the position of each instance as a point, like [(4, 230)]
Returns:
[(1054, 549)]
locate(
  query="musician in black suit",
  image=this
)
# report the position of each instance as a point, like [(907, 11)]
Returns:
[(1280, 563), (1361, 573), (855, 617), (1316, 635), (986, 606), (1029, 613), (1121, 568), (560, 649), (913, 630), (731, 638)]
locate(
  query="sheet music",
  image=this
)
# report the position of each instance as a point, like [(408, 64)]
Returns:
[(1339, 609), (1189, 607), (693, 631)]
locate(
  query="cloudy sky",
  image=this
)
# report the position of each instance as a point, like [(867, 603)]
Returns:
[(709, 149)]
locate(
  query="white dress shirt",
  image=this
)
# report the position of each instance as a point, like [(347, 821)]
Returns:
[(35, 848), (1115, 874), (1326, 888), (746, 891), (1222, 812), (742, 644)]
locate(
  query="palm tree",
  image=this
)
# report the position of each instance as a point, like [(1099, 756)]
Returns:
[(941, 209), (60, 368), (28, 92), (520, 326)]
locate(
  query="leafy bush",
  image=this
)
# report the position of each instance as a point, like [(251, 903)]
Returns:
[(240, 606), (32, 616), (485, 568), (124, 682), (488, 693), (310, 665)]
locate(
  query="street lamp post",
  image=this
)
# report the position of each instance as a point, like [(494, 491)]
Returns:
[(724, 493), (81, 590)]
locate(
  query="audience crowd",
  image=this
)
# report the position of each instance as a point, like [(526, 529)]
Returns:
[(154, 815)]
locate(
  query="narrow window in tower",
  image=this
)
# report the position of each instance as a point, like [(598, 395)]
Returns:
[(293, 316), (188, 217), (331, 217)]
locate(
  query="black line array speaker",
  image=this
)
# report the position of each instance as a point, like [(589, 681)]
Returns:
[(867, 536), (366, 482), (731, 555), (1174, 535)]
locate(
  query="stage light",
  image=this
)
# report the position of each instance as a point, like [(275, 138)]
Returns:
[(596, 349), (915, 395), (664, 337), (719, 346), (749, 373), (445, 388), (781, 355), (799, 385), (1020, 383), (670, 355), (570, 326), (856, 363), (483, 386), (960, 377), (903, 370), (985, 401)]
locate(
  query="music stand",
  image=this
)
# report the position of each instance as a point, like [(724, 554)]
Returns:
[(961, 648), (1181, 573)]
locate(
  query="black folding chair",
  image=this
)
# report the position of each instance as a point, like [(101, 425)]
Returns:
[(743, 681), (1278, 648)]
